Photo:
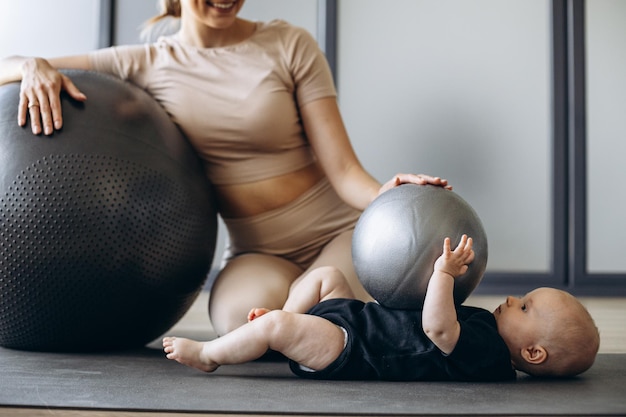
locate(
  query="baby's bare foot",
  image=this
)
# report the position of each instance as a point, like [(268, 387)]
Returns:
[(189, 352), (255, 313)]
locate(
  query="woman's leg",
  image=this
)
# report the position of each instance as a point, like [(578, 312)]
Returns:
[(248, 281), (338, 253), (254, 280), (323, 283), (309, 340)]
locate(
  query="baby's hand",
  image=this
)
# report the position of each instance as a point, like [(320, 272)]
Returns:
[(455, 262)]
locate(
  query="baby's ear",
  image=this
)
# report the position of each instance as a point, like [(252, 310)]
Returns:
[(535, 354)]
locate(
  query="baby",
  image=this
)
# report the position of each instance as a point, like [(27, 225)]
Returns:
[(327, 334)]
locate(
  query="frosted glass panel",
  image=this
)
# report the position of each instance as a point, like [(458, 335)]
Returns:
[(606, 134), (459, 89)]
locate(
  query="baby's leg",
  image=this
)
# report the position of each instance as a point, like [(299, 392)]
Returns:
[(255, 313), (310, 340), (190, 353), (247, 281), (244, 344), (320, 284)]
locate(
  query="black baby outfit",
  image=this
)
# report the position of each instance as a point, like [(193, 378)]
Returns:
[(388, 344)]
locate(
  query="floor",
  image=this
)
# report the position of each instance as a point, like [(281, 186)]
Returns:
[(609, 314)]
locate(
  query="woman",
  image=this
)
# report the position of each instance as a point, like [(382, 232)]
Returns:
[(258, 103)]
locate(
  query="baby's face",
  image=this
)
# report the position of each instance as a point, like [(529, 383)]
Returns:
[(521, 320)]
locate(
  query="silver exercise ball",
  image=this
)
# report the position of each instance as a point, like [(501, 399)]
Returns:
[(400, 235)]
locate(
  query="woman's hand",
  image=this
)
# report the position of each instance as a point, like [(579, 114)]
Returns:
[(419, 179), (40, 96)]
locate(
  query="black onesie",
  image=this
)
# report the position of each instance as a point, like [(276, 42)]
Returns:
[(388, 344)]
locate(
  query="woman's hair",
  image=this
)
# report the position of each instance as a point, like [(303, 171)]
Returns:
[(168, 8), (165, 23)]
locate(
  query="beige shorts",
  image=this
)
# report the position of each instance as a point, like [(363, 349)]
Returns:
[(298, 231)]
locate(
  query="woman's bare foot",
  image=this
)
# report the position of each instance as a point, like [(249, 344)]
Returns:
[(189, 352), (255, 313)]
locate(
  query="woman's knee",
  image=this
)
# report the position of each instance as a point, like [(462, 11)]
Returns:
[(247, 282), (338, 253)]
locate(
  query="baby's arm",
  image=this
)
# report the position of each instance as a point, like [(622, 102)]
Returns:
[(439, 318)]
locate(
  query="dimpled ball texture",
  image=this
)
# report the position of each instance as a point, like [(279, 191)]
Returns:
[(399, 237), (107, 227)]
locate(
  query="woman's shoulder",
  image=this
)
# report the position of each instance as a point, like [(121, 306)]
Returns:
[(277, 25), (285, 29), (169, 46), (166, 26)]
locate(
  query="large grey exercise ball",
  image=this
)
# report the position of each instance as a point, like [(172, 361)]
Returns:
[(107, 227), (400, 235)]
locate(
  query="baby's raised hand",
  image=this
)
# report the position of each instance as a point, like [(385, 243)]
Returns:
[(455, 262)]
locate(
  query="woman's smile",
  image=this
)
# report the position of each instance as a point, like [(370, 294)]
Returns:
[(222, 6)]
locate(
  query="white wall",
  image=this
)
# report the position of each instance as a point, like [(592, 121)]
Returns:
[(48, 28), (460, 89)]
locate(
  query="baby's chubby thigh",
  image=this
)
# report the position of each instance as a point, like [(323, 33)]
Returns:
[(249, 281), (312, 341)]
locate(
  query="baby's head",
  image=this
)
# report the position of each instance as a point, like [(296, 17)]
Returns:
[(548, 332)]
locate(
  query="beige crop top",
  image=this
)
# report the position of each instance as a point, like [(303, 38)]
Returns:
[(238, 105)]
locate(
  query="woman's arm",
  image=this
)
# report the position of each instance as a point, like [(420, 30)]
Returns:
[(41, 86), (328, 137), (439, 319)]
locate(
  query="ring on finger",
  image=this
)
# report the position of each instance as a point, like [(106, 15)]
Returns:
[(31, 105)]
